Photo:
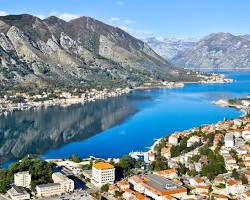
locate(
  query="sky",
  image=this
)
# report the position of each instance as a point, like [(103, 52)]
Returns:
[(147, 18)]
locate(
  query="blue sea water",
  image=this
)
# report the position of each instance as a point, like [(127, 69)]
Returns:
[(165, 111), (116, 126)]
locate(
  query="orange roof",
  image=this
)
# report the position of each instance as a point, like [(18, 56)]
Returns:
[(167, 171), (247, 193), (175, 191), (103, 165), (199, 180), (201, 186), (232, 182), (140, 196), (204, 194), (220, 196), (247, 173)]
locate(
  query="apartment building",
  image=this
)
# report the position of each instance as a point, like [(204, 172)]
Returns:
[(103, 173), (50, 189), (66, 183), (22, 179)]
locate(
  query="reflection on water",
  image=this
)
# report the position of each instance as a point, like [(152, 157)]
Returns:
[(35, 131), (58, 132)]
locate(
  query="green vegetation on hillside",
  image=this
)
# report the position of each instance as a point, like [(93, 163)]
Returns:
[(40, 171)]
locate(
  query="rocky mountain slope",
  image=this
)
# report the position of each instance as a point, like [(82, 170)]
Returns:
[(169, 48), (83, 53), (217, 51)]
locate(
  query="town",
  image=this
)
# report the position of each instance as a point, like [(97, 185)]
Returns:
[(208, 162), (11, 101)]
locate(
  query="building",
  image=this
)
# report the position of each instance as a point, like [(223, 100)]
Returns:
[(168, 173), (103, 173), (22, 179), (229, 140), (192, 140), (132, 195), (246, 196), (123, 185), (50, 189), (173, 139), (234, 186), (18, 193), (197, 181), (157, 187), (66, 183)]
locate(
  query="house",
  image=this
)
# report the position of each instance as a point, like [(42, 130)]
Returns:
[(173, 139), (123, 185), (192, 140), (133, 195), (151, 156), (199, 189), (245, 196), (137, 183), (234, 186), (166, 151), (229, 140), (168, 173), (246, 157), (18, 193), (230, 163), (247, 174), (218, 180), (241, 150), (220, 197), (197, 181), (246, 134)]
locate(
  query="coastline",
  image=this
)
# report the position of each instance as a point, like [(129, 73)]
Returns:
[(65, 99)]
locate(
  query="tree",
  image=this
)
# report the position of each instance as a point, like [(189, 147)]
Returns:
[(215, 166), (235, 174), (105, 188), (75, 158), (182, 168), (159, 164), (40, 171), (127, 163)]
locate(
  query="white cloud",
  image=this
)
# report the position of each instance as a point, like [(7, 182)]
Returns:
[(119, 3), (121, 21), (65, 16), (114, 19), (3, 13), (41, 16), (129, 21), (141, 34)]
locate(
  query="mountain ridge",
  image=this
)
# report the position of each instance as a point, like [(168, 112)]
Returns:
[(217, 51), (81, 53)]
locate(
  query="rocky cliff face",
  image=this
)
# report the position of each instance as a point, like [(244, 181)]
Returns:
[(217, 51), (83, 53), (169, 48)]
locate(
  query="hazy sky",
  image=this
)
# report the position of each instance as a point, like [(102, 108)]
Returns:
[(144, 18)]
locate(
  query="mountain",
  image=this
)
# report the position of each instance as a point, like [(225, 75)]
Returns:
[(81, 53), (217, 51), (169, 48)]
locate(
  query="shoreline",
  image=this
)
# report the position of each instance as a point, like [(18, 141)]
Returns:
[(66, 99)]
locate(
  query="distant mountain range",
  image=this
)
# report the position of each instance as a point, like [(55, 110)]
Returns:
[(83, 53), (215, 51), (169, 48)]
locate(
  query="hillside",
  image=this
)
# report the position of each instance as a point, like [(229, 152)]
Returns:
[(82, 53), (217, 51), (169, 48)]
